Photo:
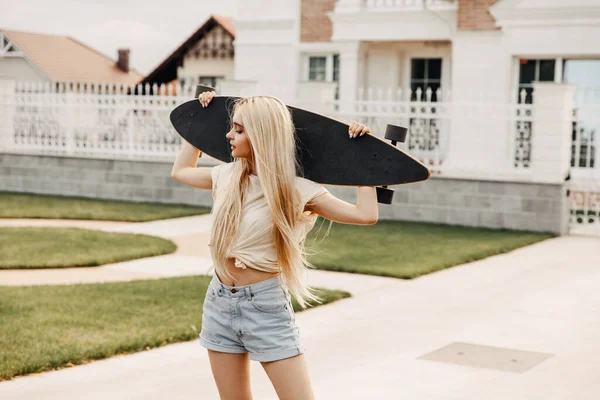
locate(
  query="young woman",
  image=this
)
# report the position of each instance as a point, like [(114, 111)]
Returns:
[(261, 214)]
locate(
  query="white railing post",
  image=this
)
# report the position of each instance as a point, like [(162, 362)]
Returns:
[(351, 65), (129, 105), (551, 131), (66, 105)]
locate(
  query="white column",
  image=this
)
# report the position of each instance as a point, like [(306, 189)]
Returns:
[(481, 120), (551, 131), (352, 71), (266, 46)]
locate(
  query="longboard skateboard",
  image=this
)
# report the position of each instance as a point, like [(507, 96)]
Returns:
[(327, 155)]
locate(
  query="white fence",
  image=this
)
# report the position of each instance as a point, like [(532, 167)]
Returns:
[(133, 122), (435, 121), (120, 122), (468, 138), (395, 5), (584, 188)]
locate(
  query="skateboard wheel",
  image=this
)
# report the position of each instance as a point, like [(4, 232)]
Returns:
[(384, 195), (202, 88), (396, 133)]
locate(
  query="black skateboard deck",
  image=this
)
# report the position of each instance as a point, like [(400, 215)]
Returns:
[(326, 153)]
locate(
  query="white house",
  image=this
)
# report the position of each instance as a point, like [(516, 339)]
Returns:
[(500, 98), (488, 45), (480, 60), (206, 57), (38, 57)]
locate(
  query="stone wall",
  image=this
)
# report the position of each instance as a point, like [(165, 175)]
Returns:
[(498, 205), (510, 205), (141, 181)]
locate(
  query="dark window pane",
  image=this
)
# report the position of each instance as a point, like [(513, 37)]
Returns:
[(316, 68), (417, 70), (426, 74), (434, 68), (336, 67), (547, 70), (527, 71)]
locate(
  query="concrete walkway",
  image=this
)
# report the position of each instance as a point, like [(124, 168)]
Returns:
[(540, 299)]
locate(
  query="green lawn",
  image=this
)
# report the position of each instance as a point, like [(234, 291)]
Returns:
[(49, 327), (15, 205), (408, 249), (74, 247)]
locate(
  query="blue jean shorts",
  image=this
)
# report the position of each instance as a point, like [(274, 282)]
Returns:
[(256, 319)]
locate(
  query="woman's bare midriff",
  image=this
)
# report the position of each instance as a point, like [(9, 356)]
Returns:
[(243, 277)]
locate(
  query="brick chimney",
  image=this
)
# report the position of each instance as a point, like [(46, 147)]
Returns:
[(123, 62)]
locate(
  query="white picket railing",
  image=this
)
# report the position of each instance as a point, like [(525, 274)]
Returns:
[(584, 187), (584, 148), (121, 122), (431, 119), (128, 122), (399, 5), (387, 4)]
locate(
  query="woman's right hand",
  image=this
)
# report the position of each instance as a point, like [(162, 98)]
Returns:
[(205, 97)]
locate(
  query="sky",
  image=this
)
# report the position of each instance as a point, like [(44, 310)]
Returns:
[(151, 29)]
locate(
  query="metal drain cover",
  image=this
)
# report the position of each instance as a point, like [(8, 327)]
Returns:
[(474, 355)]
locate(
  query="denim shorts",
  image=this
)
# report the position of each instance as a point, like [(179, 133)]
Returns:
[(256, 319)]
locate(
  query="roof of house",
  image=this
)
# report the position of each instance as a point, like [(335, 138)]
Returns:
[(65, 59), (167, 70), (226, 23)]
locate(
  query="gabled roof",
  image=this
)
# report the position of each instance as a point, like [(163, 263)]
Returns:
[(65, 59), (167, 70), (226, 23)]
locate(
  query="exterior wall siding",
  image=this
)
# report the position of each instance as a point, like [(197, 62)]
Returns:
[(508, 205), (210, 67), (19, 69)]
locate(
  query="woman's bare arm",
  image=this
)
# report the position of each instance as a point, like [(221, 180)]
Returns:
[(365, 212), (185, 170)]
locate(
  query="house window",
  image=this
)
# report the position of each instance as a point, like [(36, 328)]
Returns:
[(336, 67), (317, 68), (425, 73), (533, 71), (209, 80), (529, 71)]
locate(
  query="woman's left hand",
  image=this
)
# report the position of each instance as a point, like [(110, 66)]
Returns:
[(357, 129)]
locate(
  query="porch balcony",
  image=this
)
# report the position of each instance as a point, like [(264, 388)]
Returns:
[(382, 20)]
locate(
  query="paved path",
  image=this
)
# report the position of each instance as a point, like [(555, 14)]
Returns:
[(166, 228), (543, 298)]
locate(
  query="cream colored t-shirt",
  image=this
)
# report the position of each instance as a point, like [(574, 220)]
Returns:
[(253, 246)]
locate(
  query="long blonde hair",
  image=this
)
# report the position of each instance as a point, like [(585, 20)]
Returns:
[(268, 124)]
